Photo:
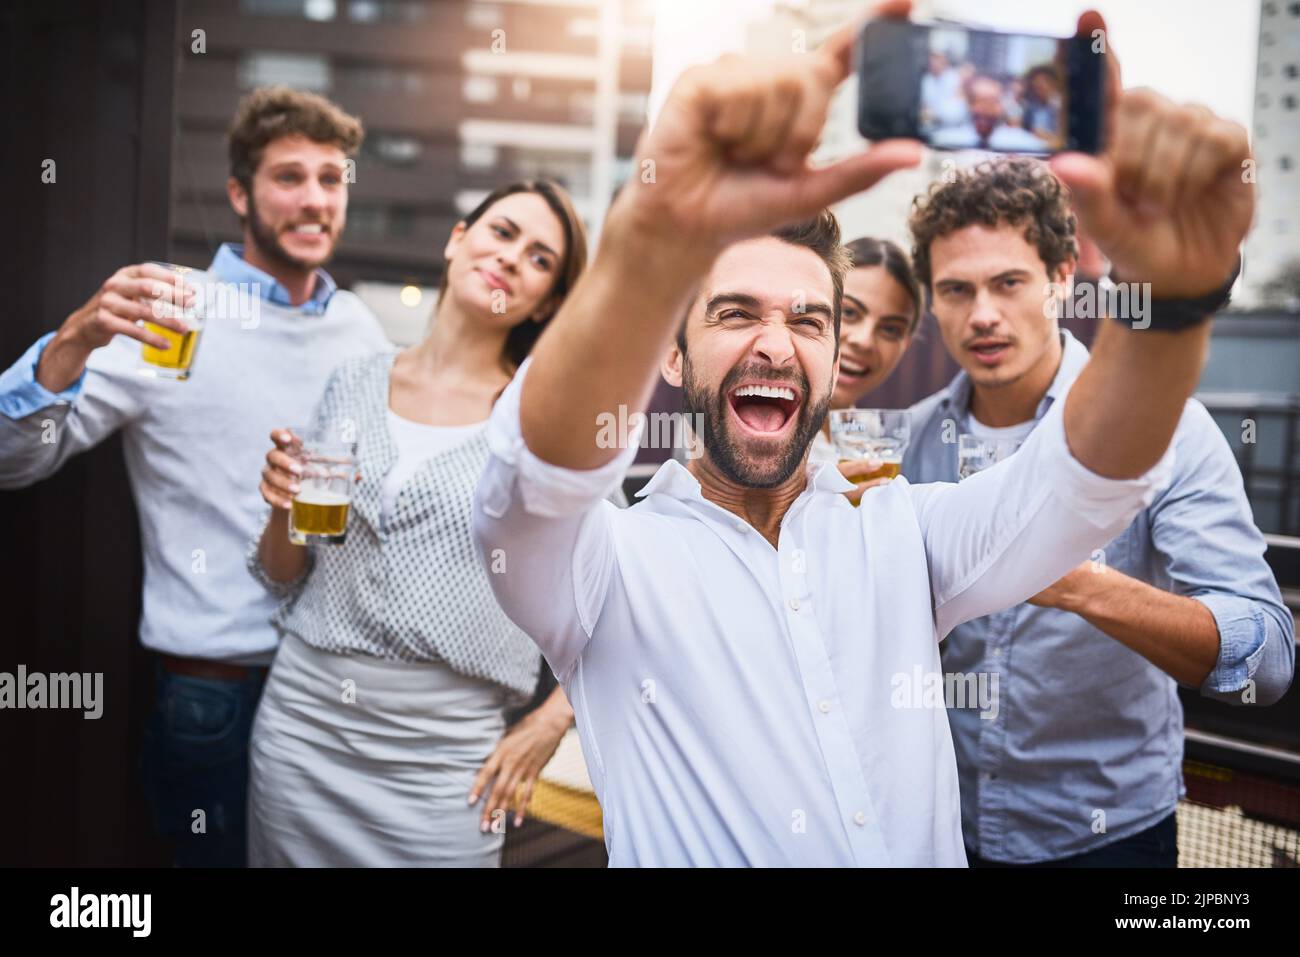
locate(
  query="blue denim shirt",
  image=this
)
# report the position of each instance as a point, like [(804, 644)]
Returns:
[(1085, 747)]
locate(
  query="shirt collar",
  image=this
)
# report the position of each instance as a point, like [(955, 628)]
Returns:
[(1074, 356), (675, 480), (229, 265)]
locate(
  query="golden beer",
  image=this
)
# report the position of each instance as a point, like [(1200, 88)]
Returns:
[(323, 515), (863, 474), (174, 361)]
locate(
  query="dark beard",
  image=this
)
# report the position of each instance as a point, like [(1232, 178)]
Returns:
[(726, 450), (268, 243)]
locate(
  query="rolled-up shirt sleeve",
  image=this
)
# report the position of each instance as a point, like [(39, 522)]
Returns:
[(1256, 650), (21, 394), (40, 430), (1211, 550), (543, 533), (1006, 533)]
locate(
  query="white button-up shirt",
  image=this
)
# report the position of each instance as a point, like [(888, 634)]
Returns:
[(741, 704)]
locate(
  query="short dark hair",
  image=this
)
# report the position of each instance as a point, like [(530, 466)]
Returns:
[(272, 112), (821, 234), (868, 251), (1015, 191)]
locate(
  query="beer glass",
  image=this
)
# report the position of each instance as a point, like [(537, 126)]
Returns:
[(320, 508), (974, 454), (176, 361), (880, 434)]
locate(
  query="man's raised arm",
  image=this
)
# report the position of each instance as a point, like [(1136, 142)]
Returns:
[(727, 159)]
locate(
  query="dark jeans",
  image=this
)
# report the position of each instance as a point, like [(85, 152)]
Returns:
[(1157, 846), (195, 758)]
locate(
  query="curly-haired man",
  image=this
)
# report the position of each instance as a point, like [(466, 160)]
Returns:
[(1079, 761)]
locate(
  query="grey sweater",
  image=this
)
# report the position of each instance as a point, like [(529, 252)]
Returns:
[(194, 455)]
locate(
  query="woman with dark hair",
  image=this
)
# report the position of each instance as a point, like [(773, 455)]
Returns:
[(878, 318), (1042, 102), (383, 720)]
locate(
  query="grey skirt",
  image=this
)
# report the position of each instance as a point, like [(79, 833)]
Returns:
[(363, 762)]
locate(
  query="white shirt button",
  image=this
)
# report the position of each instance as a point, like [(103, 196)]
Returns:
[(997, 652), (742, 526), (824, 707), (794, 604), (860, 819)]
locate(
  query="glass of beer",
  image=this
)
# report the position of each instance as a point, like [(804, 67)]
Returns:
[(320, 508), (870, 434), (177, 359), (974, 454)]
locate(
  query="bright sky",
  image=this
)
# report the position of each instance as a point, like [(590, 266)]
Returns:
[(1190, 50)]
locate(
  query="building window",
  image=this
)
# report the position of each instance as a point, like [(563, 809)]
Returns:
[(393, 149), (383, 79), (480, 89), (384, 222), (401, 222), (302, 71), (478, 155), (582, 107), (318, 9), (632, 107), (272, 8), (308, 9), (483, 16), (374, 11)]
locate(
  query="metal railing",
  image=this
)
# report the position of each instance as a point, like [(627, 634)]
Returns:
[(1275, 415)]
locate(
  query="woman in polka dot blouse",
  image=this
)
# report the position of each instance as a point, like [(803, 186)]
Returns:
[(381, 735)]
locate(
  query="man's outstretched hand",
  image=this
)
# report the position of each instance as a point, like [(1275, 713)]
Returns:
[(728, 155)]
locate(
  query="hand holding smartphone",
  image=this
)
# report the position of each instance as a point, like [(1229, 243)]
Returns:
[(955, 87)]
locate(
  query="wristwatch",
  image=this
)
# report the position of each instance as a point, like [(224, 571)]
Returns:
[(1170, 315)]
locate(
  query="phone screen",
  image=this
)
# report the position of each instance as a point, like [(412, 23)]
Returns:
[(957, 88)]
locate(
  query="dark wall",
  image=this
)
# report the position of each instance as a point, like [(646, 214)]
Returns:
[(87, 84)]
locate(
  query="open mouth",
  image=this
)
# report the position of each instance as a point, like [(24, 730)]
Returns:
[(852, 371), (764, 409), (989, 352)]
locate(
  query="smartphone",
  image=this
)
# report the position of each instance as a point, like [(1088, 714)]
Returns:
[(958, 88)]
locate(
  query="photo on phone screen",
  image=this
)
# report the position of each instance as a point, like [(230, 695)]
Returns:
[(957, 88)]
